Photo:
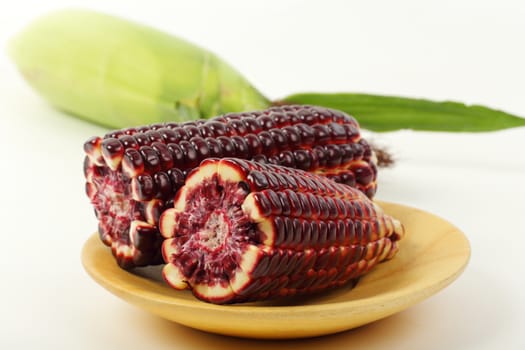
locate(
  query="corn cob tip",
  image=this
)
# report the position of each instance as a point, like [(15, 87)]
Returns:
[(384, 158)]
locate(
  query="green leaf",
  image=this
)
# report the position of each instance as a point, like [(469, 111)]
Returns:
[(388, 113)]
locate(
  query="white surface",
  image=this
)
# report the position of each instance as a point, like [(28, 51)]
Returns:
[(470, 51)]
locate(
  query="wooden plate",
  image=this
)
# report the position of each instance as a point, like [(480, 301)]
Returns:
[(432, 255)]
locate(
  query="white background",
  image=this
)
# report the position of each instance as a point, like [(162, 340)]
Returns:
[(470, 51)]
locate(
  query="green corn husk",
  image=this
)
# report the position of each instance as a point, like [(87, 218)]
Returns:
[(388, 113), (119, 74)]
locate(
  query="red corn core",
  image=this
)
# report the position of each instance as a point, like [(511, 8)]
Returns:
[(114, 207), (212, 232)]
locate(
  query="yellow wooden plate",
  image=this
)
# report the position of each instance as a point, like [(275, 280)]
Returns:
[(432, 255)]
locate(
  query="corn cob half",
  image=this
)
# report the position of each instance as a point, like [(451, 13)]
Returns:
[(133, 174), (241, 230)]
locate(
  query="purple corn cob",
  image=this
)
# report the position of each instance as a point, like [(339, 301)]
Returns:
[(133, 174), (241, 231)]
